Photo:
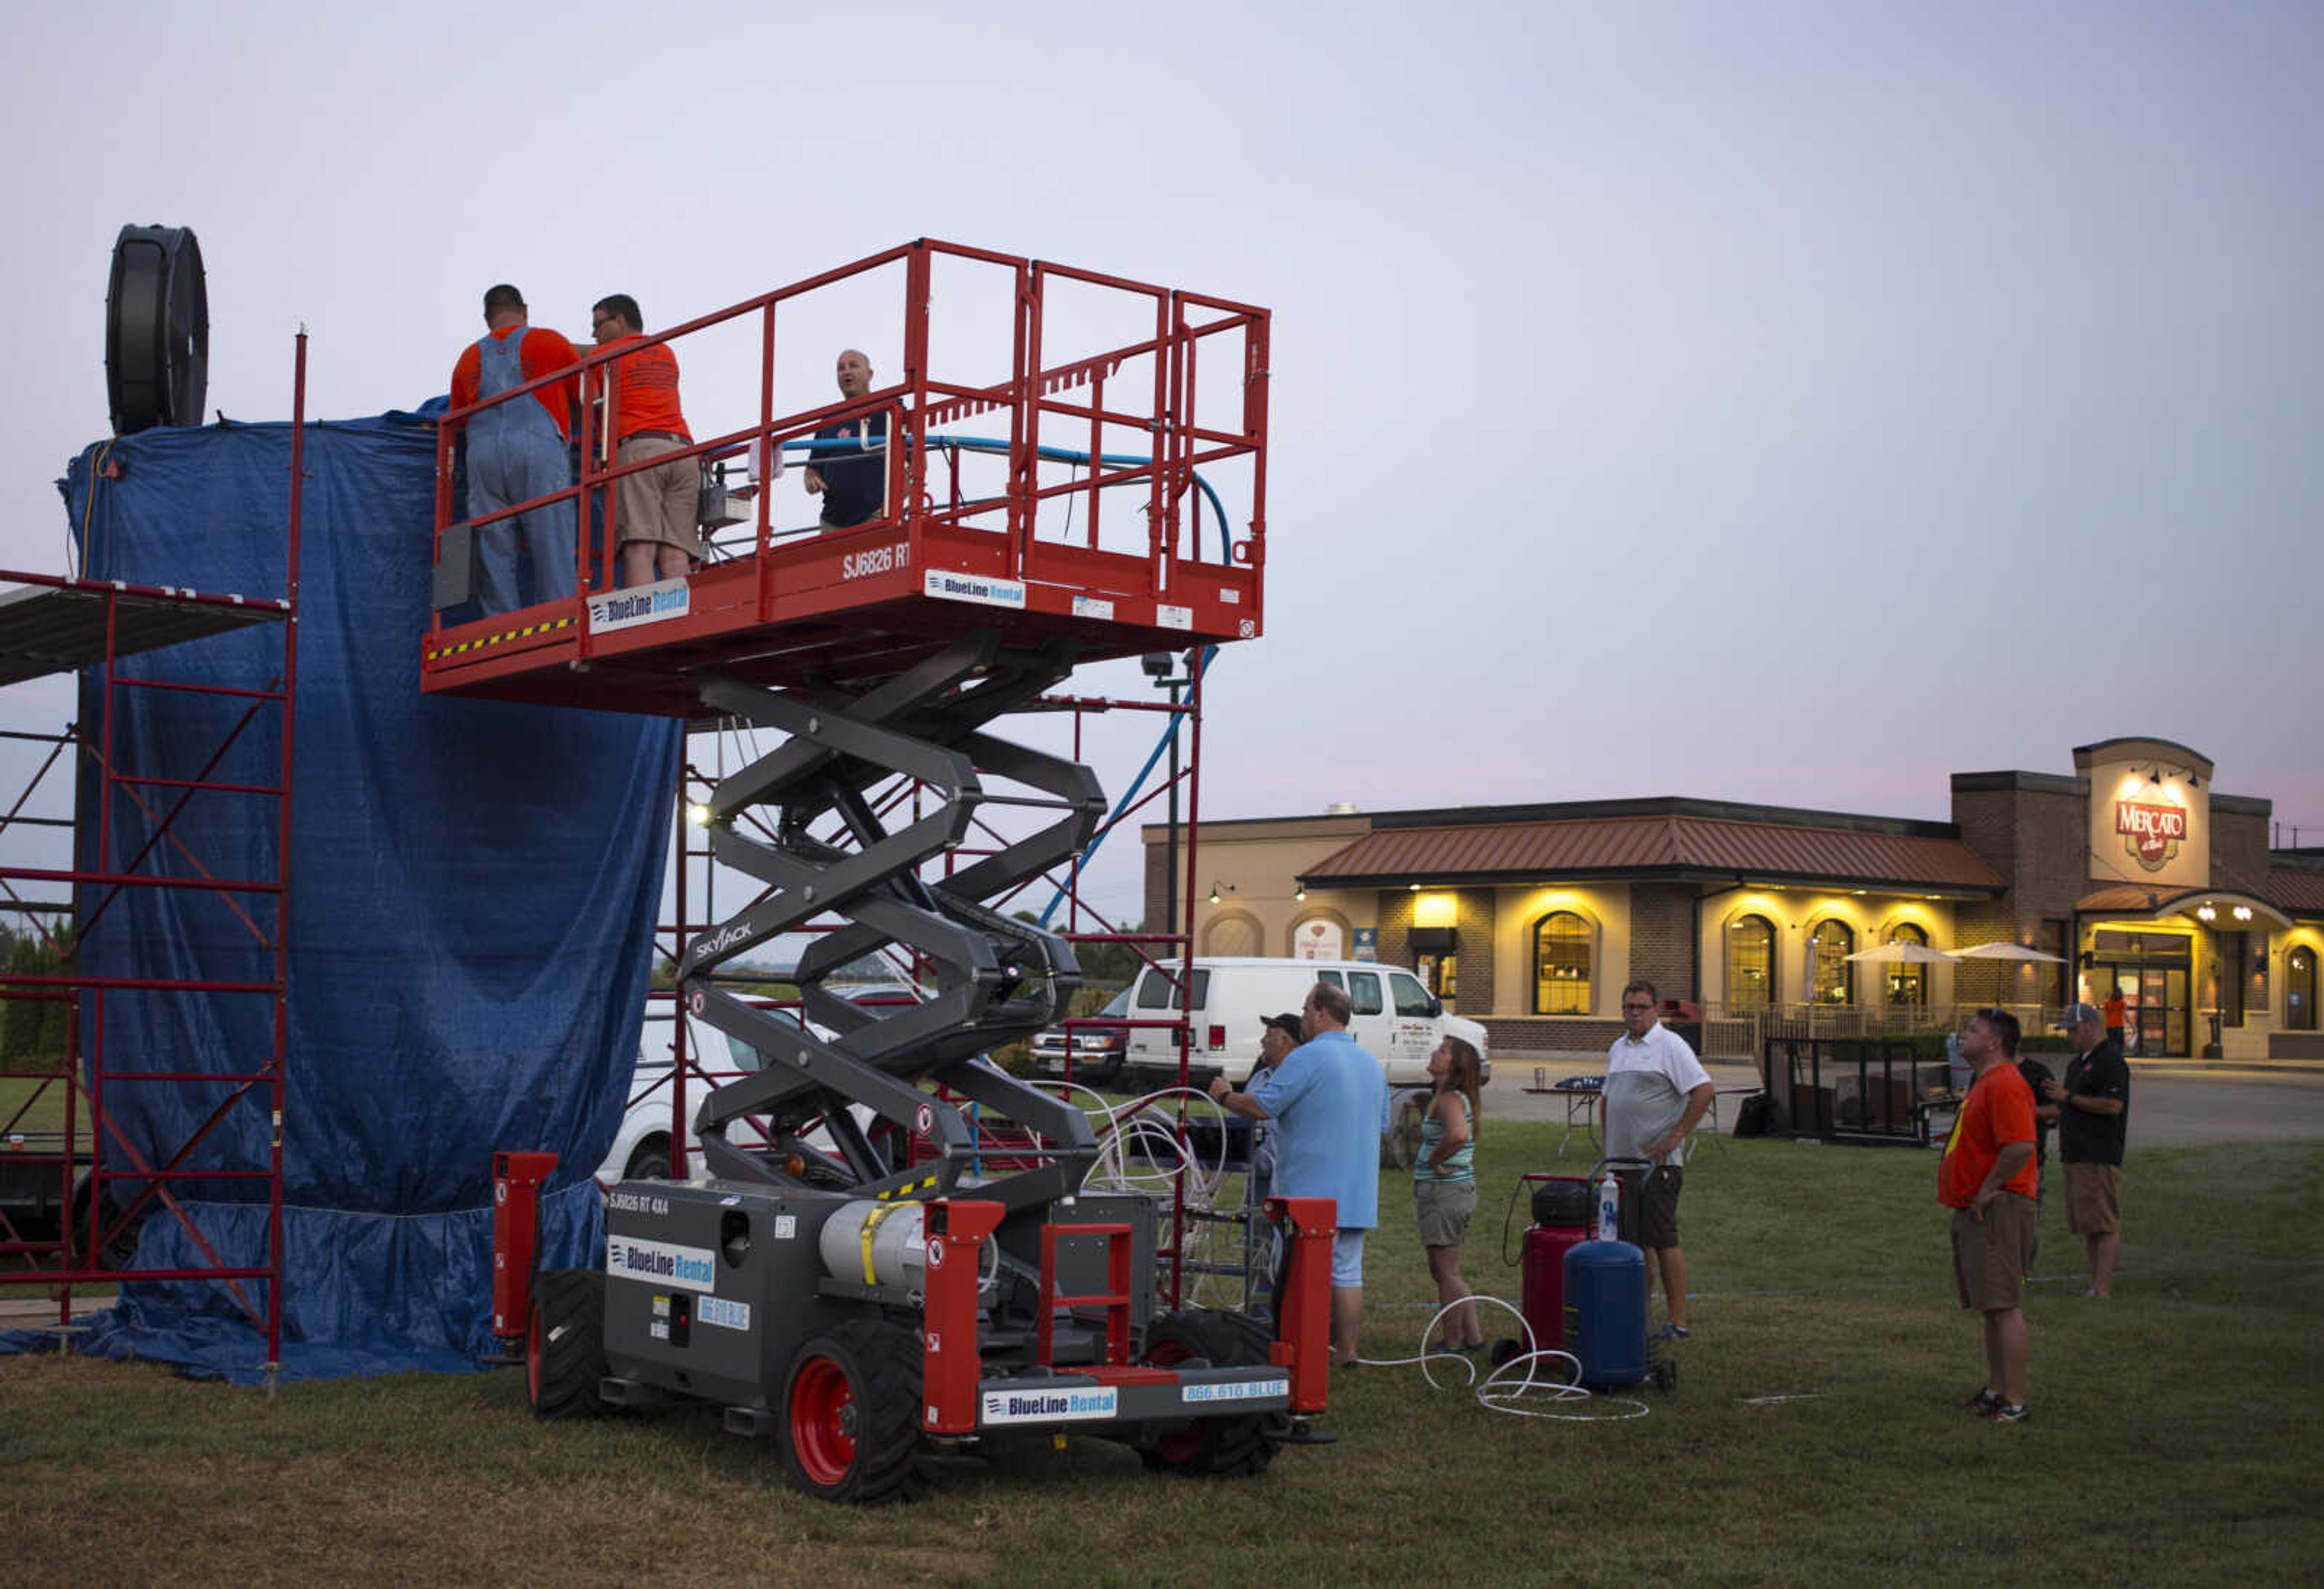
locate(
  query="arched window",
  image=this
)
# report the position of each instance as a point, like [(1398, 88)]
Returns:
[(1230, 933), (1750, 963), (1835, 977), (1908, 980), (1561, 965), (2299, 989)]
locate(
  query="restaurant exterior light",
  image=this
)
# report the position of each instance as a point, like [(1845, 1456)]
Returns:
[(699, 815)]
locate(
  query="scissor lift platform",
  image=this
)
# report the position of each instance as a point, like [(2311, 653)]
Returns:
[(1106, 437)]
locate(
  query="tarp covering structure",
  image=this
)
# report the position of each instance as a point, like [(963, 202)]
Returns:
[(473, 899)]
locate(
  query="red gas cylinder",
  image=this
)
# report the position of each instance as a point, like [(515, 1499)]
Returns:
[(1560, 1208)]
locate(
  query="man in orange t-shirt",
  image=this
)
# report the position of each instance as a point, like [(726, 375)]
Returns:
[(516, 452), (657, 504), (1987, 1179)]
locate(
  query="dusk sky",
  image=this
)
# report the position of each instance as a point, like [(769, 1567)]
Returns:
[(1790, 403)]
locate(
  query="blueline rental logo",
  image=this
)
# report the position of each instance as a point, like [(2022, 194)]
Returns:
[(1047, 1406), (633, 1258), (642, 604)]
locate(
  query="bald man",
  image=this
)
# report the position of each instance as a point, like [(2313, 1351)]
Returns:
[(853, 489)]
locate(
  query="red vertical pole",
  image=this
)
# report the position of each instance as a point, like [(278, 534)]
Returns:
[(907, 466), (282, 858), (950, 1363), (1255, 379), (1157, 575), (1022, 369), (1097, 451), (516, 1236), (1021, 542), (443, 508), (1304, 1333), (767, 454)]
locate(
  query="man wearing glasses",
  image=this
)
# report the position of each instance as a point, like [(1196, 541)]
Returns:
[(1656, 1092), (657, 503)]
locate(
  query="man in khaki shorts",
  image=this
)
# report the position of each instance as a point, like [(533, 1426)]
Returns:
[(2093, 1120), (656, 505), (1987, 1177)]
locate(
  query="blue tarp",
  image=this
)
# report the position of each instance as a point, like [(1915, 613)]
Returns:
[(473, 888)]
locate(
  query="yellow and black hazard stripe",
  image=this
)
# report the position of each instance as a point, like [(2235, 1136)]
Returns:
[(486, 641), (906, 1190)]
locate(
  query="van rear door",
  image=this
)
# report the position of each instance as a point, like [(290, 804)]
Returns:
[(1160, 998)]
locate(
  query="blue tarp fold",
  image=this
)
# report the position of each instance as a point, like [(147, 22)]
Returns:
[(473, 888)]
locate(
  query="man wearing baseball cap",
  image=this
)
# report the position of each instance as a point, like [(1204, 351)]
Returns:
[(2093, 1119)]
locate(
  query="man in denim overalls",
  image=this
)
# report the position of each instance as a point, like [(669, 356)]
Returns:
[(517, 452)]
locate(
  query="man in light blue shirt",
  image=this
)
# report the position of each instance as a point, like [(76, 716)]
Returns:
[(1329, 1102)]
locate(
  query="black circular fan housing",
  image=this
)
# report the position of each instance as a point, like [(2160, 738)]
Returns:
[(157, 330)]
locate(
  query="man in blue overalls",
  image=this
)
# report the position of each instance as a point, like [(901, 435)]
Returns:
[(517, 452)]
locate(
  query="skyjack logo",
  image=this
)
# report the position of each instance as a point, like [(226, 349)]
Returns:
[(2151, 833)]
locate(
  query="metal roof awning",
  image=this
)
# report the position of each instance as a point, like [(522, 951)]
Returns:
[(2131, 902), (59, 626), (1775, 854)]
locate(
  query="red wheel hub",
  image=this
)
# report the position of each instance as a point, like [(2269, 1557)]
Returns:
[(1179, 1446), (823, 1421)]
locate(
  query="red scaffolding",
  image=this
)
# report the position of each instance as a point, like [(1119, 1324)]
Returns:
[(91, 1183)]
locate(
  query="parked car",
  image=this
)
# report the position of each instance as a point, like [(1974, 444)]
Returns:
[(1098, 1050), (1396, 1018)]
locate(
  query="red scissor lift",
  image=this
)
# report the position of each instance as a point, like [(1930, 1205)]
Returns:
[(1054, 444), (59, 1128)]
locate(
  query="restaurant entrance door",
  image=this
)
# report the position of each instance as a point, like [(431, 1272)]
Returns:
[(2152, 971)]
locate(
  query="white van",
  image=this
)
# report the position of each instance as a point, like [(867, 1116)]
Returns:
[(1399, 1021)]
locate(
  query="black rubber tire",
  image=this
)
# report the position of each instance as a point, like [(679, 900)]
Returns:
[(649, 1161), (879, 1364), (1213, 1448), (157, 329), (1666, 1375), (565, 1343)]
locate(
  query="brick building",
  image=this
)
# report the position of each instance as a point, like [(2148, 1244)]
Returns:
[(2131, 876)]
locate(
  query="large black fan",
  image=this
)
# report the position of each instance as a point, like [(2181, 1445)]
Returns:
[(157, 329)]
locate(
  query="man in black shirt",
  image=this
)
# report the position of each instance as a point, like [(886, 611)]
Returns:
[(853, 488), (2093, 1119), (2039, 1079)]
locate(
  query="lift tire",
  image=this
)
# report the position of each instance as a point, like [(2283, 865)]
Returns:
[(1213, 1448), (565, 1345), (851, 1415)]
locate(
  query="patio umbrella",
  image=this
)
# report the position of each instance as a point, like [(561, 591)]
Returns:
[(1912, 954), (2007, 951), (1998, 954)]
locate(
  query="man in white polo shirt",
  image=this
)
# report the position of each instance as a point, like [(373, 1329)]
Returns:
[(1656, 1091)]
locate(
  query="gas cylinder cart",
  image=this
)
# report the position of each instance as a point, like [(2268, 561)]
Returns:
[(844, 1281)]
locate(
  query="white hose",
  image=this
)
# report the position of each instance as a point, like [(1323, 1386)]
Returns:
[(1498, 1392)]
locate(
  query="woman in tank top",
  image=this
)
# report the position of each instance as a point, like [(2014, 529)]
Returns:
[(1445, 1187)]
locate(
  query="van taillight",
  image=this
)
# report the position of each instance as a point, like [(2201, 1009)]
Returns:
[(1218, 1037)]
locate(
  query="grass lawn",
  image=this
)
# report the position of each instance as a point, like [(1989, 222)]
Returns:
[(2174, 1438)]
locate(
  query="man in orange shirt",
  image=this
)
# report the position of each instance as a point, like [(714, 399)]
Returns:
[(516, 451), (657, 504), (1987, 1177)]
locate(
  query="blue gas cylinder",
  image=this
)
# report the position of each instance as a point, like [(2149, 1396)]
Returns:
[(1606, 1313)]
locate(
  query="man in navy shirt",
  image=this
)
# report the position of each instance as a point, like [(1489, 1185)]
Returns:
[(1329, 1102), (2093, 1121), (853, 489)]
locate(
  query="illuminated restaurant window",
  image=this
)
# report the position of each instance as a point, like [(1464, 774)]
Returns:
[(2300, 990), (1835, 978), (1908, 983), (1750, 963), (1561, 965)]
